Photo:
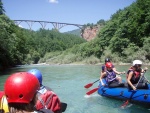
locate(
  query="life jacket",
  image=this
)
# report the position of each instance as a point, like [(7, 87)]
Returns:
[(4, 104), (129, 70), (49, 100), (136, 75), (110, 76), (1, 94)]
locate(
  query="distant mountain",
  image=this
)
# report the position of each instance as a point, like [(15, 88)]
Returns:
[(75, 32)]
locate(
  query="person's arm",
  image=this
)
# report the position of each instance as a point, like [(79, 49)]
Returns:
[(129, 80), (102, 72), (142, 73), (103, 68), (144, 70), (117, 72), (101, 77)]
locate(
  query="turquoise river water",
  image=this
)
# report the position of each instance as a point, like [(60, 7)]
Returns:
[(68, 83)]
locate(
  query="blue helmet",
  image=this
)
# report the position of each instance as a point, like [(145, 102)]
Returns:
[(36, 73)]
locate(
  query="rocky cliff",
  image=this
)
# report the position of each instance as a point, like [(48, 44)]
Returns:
[(90, 33)]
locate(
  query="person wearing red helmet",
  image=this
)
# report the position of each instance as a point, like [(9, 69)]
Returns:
[(21, 93), (113, 67), (110, 76)]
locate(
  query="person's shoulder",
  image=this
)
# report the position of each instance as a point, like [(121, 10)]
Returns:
[(45, 87), (103, 65), (48, 88), (113, 65), (130, 71)]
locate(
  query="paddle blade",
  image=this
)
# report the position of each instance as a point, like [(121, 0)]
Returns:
[(92, 91), (88, 85), (125, 104)]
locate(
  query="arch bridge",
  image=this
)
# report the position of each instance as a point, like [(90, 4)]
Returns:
[(56, 25)]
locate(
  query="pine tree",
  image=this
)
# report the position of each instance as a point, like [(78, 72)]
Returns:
[(2, 11)]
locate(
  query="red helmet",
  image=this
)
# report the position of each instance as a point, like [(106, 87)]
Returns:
[(108, 65), (21, 87)]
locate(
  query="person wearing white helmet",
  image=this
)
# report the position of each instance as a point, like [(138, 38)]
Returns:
[(134, 74), (137, 62)]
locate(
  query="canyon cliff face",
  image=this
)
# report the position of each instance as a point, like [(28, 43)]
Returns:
[(90, 33)]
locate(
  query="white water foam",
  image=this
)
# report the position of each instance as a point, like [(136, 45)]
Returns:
[(93, 95)]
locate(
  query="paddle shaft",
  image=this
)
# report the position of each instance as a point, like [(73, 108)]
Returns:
[(96, 81), (90, 84), (140, 79)]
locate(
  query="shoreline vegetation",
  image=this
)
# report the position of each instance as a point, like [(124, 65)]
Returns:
[(71, 64), (148, 64), (122, 38)]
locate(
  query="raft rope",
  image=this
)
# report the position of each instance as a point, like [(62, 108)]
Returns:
[(121, 95)]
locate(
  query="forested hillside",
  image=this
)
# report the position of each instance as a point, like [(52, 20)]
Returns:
[(126, 36), (20, 46), (76, 32)]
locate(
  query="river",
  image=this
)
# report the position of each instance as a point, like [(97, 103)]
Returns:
[(68, 83)]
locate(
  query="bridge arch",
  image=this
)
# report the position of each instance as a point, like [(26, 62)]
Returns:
[(56, 25)]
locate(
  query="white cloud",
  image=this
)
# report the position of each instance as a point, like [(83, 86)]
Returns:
[(53, 1)]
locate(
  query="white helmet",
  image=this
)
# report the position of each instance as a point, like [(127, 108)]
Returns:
[(137, 62)]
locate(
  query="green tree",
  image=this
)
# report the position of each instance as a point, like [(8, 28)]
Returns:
[(2, 11)]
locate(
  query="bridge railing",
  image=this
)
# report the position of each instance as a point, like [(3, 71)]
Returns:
[(56, 25)]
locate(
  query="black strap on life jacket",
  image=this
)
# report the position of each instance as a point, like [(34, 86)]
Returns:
[(44, 111)]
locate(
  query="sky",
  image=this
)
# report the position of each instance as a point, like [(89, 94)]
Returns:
[(62, 11)]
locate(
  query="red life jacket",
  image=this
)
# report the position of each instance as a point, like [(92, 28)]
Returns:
[(48, 100), (1, 94), (136, 74)]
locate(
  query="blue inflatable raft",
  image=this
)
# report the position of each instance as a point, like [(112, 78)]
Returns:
[(140, 96)]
